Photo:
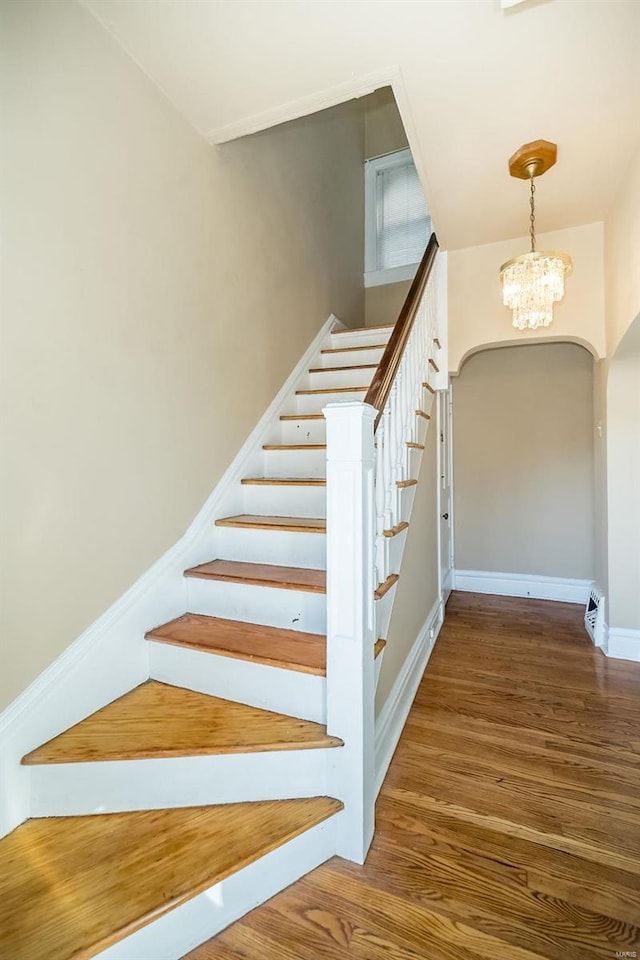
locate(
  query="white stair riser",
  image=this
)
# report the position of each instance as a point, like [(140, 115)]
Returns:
[(295, 463), (271, 546), (313, 403), (350, 357), (340, 378), (303, 431), (273, 607), (258, 685), (285, 500), (177, 932), (361, 338), (79, 789)]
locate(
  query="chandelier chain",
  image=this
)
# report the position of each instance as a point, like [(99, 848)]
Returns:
[(532, 216)]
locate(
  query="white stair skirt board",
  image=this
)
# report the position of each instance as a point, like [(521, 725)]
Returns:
[(522, 585), (291, 692), (393, 715), (270, 606), (180, 930), (115, 786), (111, 656), (621, 643)]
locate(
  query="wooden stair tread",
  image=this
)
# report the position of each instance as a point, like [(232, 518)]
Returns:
[(285, 481), (428, 387), (355, 366), (310, 393), (159, 720), (294, 446), (394, 531), (72, 886), (273, 646), (366, 346), (261, 574), (423, 414), (385, 586), (376, 326), (379, 647), (291, 524), (433, 364), (415, 446), (401, 484), (302, 416)]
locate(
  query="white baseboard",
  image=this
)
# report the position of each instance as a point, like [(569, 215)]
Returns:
[(111, 656), (535, 586), (393, 716), (621, 643)]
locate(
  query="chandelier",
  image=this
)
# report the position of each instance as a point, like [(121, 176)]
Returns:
[(533, 282)]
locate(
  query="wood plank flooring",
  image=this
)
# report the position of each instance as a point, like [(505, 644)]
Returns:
[(72, 886), (508, 827)]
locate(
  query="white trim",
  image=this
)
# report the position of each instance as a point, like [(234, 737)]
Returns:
[(393, 716), (111, 656), (304, 106), (535, 586), (622, 643), (180, 930), (376, 278), (114, 786)]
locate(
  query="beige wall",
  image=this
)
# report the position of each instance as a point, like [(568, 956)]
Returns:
[(623, 462), (523, 461), (622, 257), (157, 292), (417, 588), (384, 133), (477, 317), (383, 304)]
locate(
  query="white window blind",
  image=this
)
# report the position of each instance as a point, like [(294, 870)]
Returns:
[(403, 223), (397, 222)]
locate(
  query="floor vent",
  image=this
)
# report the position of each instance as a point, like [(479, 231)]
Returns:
[(594, 615)]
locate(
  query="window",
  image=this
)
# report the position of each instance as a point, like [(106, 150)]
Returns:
[(397, 222)]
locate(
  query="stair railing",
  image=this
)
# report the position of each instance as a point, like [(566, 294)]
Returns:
[(367, 459)]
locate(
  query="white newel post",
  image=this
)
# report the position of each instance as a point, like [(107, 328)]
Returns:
[(350, 619)]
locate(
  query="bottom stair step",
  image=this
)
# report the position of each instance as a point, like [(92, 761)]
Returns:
[(73, 887)]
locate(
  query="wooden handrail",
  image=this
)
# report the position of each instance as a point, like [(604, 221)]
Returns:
[(388, 367)]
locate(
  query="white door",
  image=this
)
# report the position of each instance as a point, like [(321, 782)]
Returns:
[(445, 499)]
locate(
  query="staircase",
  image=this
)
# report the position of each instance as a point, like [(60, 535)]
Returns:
[(246, 759)]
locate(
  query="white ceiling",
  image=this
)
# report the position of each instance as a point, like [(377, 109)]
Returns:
[(473, 82)]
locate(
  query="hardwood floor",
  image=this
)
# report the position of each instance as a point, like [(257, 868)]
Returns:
[(508, 827)]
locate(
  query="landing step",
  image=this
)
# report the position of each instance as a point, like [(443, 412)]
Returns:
[(289, 524), (157, 720), (352, 330), (368, 346), (262, 575), (285, 481), (70, 887), (273, 646)]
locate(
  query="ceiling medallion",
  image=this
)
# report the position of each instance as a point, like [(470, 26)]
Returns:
[(533, 282)]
